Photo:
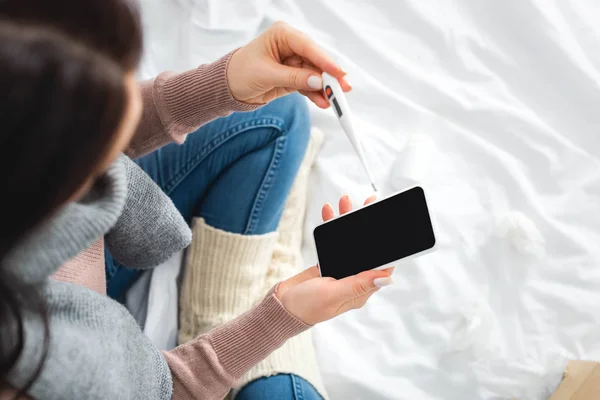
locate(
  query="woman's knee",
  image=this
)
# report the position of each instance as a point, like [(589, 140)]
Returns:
[(297, 116), (293, 111), (280, 387)]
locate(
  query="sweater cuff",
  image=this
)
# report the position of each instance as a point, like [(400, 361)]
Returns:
[(188, 100), (250, 338)]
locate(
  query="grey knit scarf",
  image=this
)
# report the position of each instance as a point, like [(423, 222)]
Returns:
[(97, 351)]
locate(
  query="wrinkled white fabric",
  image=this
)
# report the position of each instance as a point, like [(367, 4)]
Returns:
[(495, 107)]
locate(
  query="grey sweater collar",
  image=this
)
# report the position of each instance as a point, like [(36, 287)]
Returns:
[(75, 227), (96, 349)]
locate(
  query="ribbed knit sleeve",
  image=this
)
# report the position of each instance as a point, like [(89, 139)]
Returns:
[(208, 367), (177, 104)]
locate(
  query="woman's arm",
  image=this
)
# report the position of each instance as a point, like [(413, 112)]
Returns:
[(280, 61), (209, 366), (177, 104)]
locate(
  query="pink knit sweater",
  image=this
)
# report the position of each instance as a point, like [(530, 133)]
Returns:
[(207, 367)]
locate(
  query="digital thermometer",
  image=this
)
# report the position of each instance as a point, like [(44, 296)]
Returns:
[(335, 95)]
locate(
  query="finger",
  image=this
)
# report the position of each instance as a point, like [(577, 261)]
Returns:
[(345, 84), (357, 285), (317, 98), (309, 273), (356, 303), (300, 44), (389, 270), (345, 204), (327, 212), (297, 61), (296, 78), (370, 200)]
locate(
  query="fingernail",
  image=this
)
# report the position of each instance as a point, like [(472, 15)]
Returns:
[(390, 270), (315, 82), (348, 82), (381, 282)]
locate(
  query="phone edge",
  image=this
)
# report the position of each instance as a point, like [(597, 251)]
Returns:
[(432, 218)]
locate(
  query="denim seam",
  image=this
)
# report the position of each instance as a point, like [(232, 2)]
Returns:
[(159, 171), (298, 392), (218, 141), (112, 269), (265, 186)]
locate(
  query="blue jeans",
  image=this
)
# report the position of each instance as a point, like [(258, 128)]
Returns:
[(236, 173), (279, 387)]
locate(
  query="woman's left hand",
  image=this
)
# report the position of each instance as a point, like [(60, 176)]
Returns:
[(313, 299), (280, 61)]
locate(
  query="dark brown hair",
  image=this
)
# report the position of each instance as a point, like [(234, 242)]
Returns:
[(62, 98)]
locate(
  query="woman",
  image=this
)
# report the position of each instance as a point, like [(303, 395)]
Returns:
[(71, 107)]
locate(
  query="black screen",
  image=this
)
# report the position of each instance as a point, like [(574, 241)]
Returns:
[(386, 231)]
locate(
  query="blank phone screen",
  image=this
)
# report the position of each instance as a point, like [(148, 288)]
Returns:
[(384, 232)]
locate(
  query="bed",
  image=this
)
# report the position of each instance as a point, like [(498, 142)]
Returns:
[(495, 108)]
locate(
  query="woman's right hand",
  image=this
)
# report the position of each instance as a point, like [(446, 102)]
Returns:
[(314, 299), (280, 61)]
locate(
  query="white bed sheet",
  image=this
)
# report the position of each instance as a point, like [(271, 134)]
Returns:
[(495, 107)]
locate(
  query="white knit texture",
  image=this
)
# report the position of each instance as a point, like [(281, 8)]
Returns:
[(223, 277)]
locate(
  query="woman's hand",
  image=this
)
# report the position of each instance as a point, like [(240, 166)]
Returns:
[(313, 299), (280, 61)]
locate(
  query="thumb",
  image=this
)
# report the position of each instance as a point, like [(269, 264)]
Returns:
[(297, 78), (363, 283), (309, 273)]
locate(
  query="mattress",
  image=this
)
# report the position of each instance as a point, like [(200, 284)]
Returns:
[(495, 108)]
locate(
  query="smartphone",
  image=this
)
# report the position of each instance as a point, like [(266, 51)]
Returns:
[(376, 235)]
